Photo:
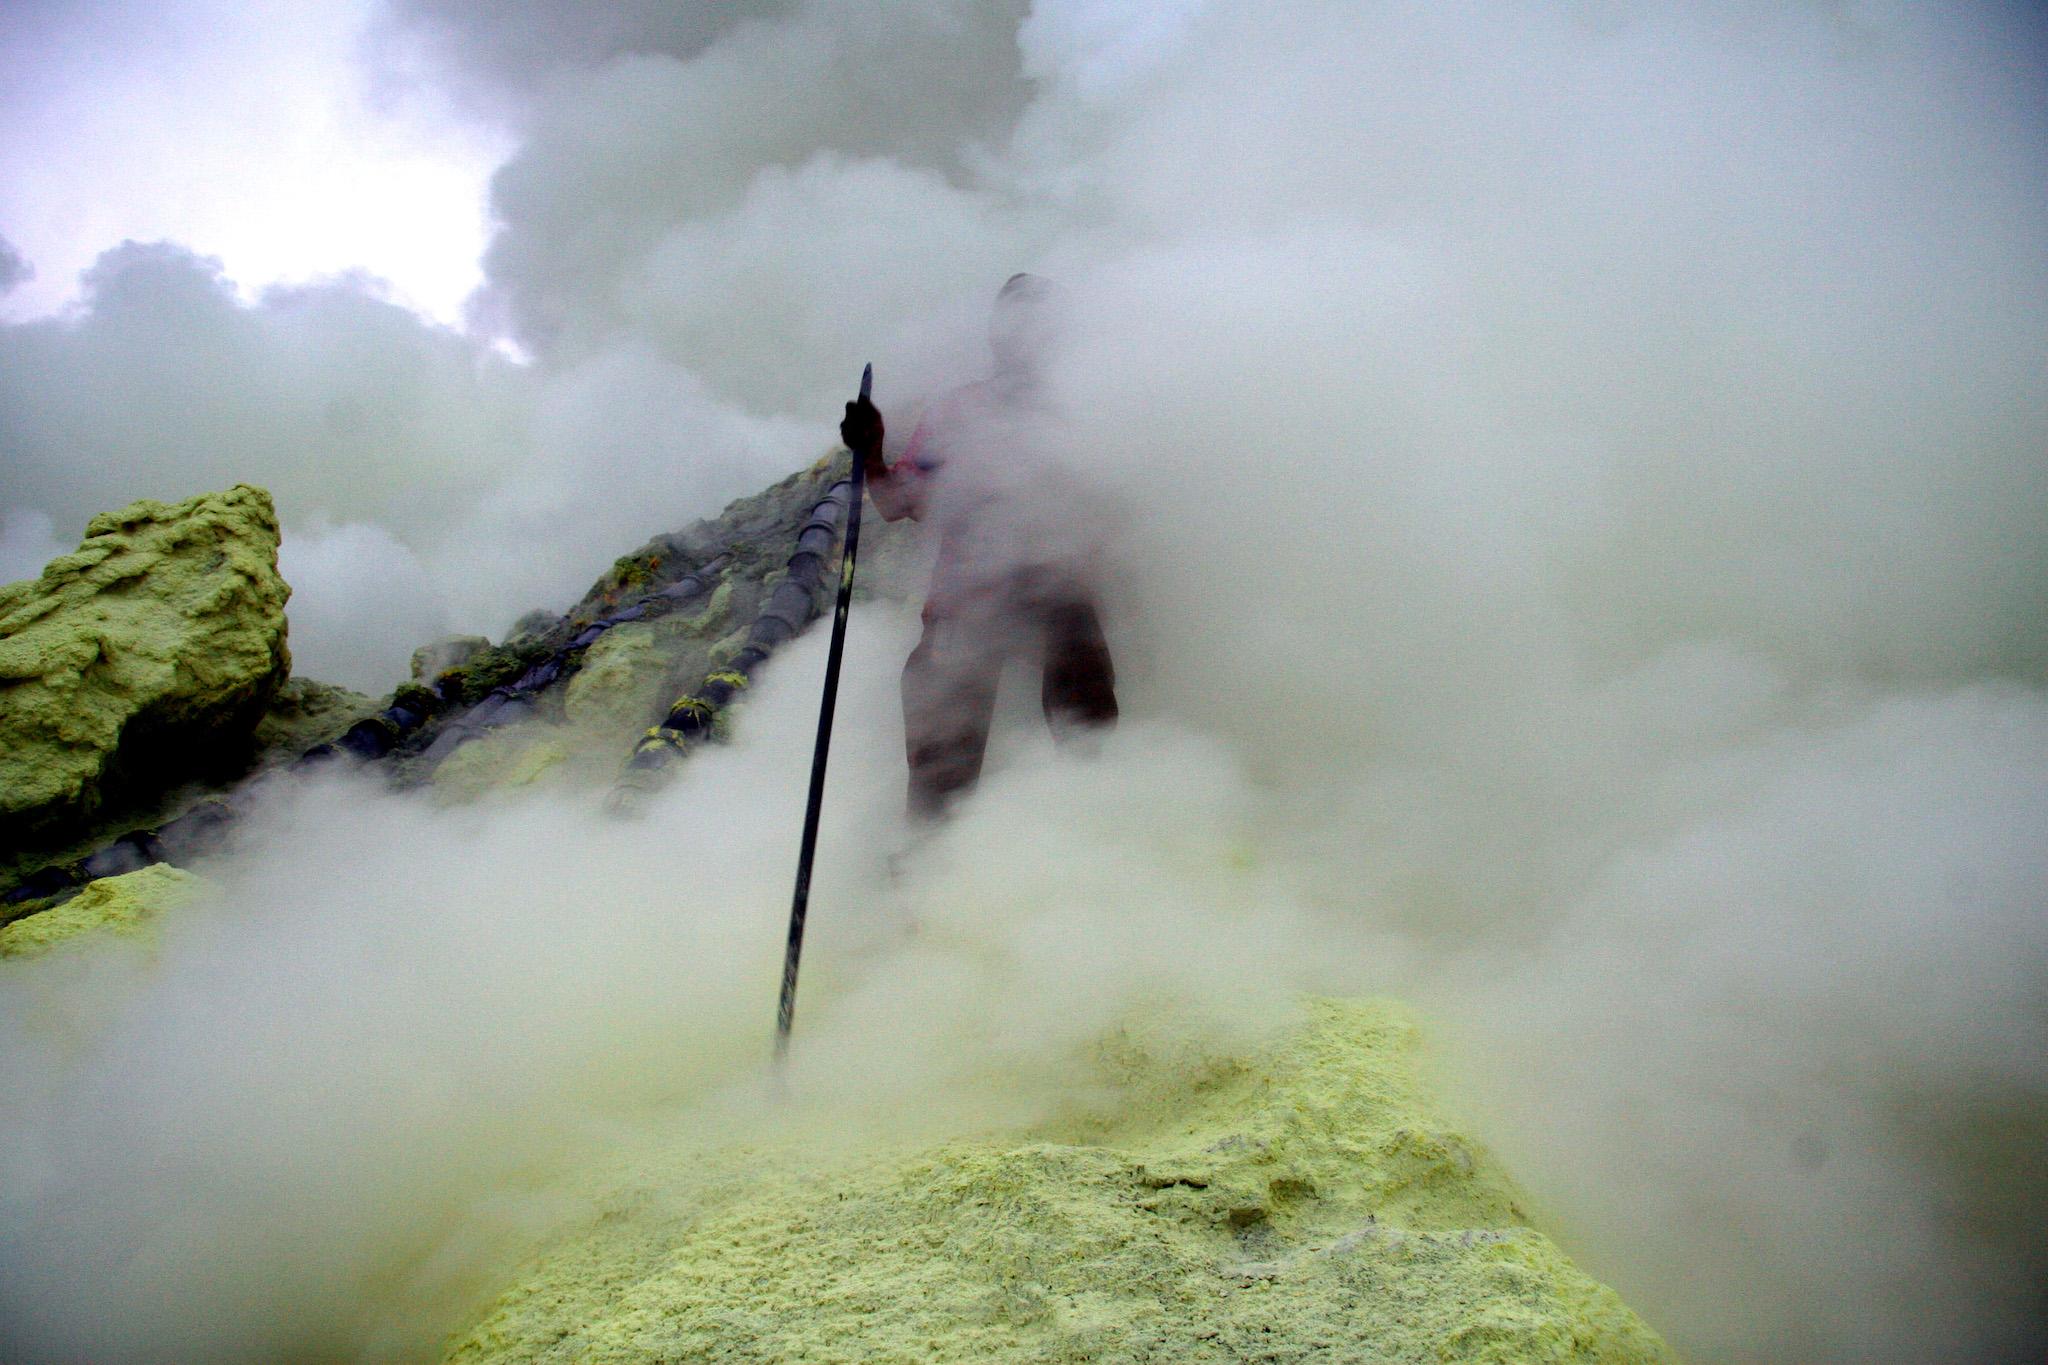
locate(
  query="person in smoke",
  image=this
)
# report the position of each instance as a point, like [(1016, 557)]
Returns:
[(1015, 561)]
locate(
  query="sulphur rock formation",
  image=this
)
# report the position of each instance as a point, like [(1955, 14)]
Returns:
[(144, 657), (430, 661), (571, 698), (304, 712), (126, 905), (618, 684), (1307, 1202)]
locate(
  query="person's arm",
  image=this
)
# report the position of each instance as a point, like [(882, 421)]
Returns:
[(898, 490), (903, 489)]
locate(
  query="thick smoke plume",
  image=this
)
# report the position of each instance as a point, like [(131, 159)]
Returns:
[(1583, 569)]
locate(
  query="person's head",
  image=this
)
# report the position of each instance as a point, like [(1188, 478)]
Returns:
[(1022, 325)]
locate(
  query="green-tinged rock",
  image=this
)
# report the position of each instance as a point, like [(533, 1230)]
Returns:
[(473, 679), (616, 688), (518, 756), (305, 713), (113, 905), (10, 911), (532, 623), (716, 612), (152, 649), (727, 648), (1305, 1202), (430, 661)]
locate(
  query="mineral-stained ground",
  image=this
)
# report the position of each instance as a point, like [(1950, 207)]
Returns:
[(1304, 1201)]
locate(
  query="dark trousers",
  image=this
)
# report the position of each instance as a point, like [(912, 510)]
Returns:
[(950, 679)]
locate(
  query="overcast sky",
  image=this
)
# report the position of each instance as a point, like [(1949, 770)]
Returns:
[(251, 133)]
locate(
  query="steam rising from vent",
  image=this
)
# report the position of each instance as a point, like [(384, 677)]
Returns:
[(1584, 572)]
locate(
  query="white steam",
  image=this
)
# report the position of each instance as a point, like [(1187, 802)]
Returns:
[(425, 483), (1585, 570), (28, 540), (347, 1092), (357, 582)]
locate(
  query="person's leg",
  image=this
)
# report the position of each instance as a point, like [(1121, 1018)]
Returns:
[(1079, 689), (949, 697)]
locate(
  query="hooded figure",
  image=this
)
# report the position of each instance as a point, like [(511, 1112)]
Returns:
[(1015, 568)]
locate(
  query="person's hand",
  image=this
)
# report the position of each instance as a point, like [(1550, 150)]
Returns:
[(862, 429)]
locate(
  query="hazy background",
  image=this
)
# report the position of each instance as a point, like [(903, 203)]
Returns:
[(1584, 572)]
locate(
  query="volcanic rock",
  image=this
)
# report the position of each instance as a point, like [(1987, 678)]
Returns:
[(1306, 1202), (142, 659), (430, 661), (123, 905)]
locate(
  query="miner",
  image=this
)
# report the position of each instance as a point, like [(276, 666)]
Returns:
[(1017, 562)]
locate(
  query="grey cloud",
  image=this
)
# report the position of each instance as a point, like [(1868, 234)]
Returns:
[(499, 57), (15, 269)]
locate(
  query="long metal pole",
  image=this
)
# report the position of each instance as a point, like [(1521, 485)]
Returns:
[(785, 1012)]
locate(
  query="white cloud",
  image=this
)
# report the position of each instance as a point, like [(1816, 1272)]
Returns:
[(244, 133)]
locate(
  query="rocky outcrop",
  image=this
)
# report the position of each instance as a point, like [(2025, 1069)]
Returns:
[(143, 659), (125, 905), (306, 712), (647, 662), (1308, 1202), (430, 661), (304, 716), (563, 697)]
